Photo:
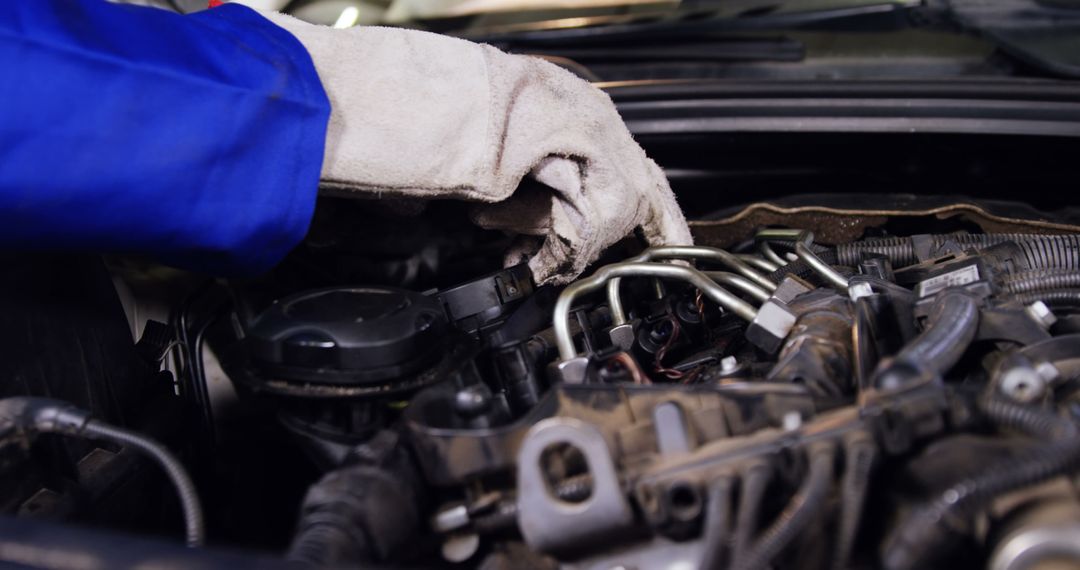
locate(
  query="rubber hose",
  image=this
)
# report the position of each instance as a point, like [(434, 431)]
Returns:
[(954, 321), (1054, 298), (929, 528), (755, 481), (800, 512), (1040, 251), (195, 532), (860, 461), (717, 524), (1041, 280), (323, 544), (899, 250)]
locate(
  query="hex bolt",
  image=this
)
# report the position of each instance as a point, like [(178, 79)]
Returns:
[(1041, 313), (859, 290)]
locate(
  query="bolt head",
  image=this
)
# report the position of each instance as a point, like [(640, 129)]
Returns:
[(1022, 384), (570, 371), (622, 336), (860, 290), (771, 326), (1041, 313)]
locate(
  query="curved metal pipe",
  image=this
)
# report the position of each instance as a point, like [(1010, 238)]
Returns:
[(707, 253), (801, 511), (618, 312), (755, 481), (561, 318), (859, 462), (803, 240), (739, 282), (717, 523), (755, 261), (771, 255)]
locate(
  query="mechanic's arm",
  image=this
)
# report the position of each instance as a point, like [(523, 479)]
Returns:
[(197, 139), (201, 137)]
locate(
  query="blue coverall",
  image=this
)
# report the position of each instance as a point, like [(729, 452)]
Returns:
[(195, 139)]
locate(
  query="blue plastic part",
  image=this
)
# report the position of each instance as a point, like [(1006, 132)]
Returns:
[(197, 140)]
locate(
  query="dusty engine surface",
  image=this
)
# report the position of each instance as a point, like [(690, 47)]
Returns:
[(897, 402), (900, 402)]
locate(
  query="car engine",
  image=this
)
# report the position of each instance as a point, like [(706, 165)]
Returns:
[(869, 358), (893, 401), (772, 398)]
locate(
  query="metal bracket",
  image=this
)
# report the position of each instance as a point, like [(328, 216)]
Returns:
[(550, 524)]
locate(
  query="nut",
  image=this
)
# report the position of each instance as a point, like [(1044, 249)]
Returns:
[(789, 288), (1041, 313), (622, 336), (771, 326), (1023, 384), (570, 371), (859, 290)]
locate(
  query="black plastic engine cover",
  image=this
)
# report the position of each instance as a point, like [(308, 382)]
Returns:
[(348, 336)]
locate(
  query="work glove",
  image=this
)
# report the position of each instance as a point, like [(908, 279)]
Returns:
[(420, 115)]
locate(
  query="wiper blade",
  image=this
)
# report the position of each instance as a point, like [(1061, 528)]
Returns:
[(715, 50), (1046, 37), (868, 17)]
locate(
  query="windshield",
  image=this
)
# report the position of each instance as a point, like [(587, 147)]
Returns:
[(615, 41)]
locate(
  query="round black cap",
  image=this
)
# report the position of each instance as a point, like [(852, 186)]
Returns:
[(354, 336)]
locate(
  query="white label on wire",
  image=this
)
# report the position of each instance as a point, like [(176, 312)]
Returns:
[(958, 278)]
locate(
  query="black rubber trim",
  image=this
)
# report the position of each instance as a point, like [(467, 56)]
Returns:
[(1043, 108)]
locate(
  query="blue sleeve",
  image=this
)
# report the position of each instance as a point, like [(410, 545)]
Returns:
[(195, 139)]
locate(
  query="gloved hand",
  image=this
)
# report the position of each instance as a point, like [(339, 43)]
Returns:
[(419, 115)]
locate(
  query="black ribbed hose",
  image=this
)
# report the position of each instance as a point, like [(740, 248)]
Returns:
[(798, 514), (1041, 280), (717, 524), (325, 545), (1059, 297), (366, 511), (930, 528), (899, 250), (1040, 251)]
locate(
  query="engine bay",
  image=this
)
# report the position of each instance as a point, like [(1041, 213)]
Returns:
[(867, 357), (842, 380), (894, 401)]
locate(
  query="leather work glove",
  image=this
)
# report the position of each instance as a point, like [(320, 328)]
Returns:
[(420, 115)]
